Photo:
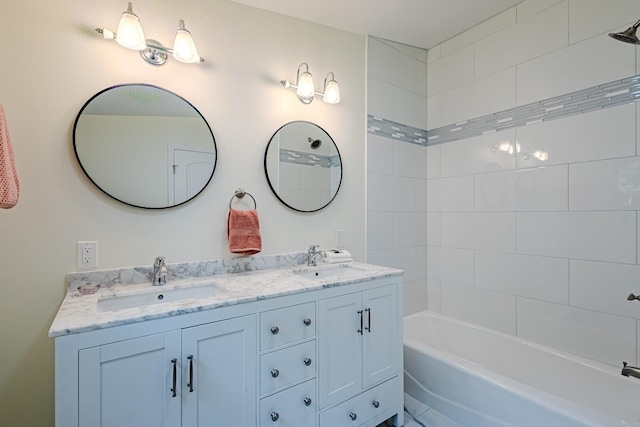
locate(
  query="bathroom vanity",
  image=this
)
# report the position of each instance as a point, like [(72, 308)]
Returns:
[(232, 344)]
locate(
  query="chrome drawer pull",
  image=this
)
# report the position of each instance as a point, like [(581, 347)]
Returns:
[(275, 373), (275, 330), (307, 361), (375, 404), (353, 416), (307, 401), (274, 416), (307, 322)]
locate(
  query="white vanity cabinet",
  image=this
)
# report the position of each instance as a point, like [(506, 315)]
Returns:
[(186, 377), (128, 383), (358, 342), (323, 356)]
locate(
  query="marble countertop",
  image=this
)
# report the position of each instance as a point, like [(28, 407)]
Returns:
[(79, 313)]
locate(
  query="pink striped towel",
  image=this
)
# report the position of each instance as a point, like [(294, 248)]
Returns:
[(9, 185)]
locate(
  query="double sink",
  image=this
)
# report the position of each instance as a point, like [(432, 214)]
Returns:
[(164, 294)]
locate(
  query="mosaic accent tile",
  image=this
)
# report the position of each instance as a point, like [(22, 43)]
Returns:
[(308, 159), (606, 95)]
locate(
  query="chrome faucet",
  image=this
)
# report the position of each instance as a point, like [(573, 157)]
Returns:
[(312, 255), (159, 272), (630, 371)]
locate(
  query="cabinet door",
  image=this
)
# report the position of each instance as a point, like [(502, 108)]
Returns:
[(219, 374), (340, 347), (380, 341), (128, 383)]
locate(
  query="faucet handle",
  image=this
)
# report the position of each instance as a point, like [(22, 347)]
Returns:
[(159, 261), (313, 248)]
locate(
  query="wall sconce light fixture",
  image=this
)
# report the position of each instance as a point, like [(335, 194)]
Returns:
[(131, 36), (306, 91)]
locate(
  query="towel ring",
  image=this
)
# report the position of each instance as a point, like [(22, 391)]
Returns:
[(240, 193)]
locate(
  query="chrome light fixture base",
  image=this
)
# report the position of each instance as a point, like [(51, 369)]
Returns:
[(155, 53)]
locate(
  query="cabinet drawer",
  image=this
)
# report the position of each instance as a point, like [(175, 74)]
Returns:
[(362, 408), (290, 407), (309, 422), (285, 325), (283, 367)]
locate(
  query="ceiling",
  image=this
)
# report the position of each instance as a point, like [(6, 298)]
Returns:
[(419, 23)]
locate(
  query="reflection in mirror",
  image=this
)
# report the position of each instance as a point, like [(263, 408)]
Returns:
[(144, 146), (303, 166)]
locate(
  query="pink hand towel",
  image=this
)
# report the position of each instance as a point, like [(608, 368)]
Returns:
[(243, 231), (9, 185)]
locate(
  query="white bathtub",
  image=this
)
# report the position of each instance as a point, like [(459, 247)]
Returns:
[(481, 378)]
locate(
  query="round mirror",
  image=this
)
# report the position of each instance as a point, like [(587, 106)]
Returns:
[(144, 146), (303, 166)]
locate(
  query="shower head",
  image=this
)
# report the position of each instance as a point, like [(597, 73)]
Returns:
[(315, 143), (627, 36)]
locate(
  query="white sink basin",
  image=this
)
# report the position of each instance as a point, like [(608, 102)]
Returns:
[(158, 296), (326, 271)]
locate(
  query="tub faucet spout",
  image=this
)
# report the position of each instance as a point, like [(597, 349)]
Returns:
[(630, 371)]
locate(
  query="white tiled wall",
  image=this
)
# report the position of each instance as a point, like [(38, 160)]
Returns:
[(397, 171), (544, 250)]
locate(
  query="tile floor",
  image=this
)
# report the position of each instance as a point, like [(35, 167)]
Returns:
[(420, 415)]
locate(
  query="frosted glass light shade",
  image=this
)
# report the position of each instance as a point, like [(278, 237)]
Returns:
[(184, 48), (305, 89), (331, 92), (129, 33)]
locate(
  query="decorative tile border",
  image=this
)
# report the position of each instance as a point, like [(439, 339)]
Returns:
[(308, 159), (612, 94)]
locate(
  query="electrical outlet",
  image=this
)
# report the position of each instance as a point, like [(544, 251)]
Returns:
[(339, 239), (87, 254)]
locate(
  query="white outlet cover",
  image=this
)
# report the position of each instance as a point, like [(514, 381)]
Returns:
[(87, 254)]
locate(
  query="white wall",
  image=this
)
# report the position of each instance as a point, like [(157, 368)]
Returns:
[(58, 62), (396, 171), (546, 251)]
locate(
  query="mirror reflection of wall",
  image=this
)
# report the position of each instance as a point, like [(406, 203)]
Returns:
[(303, 166), (145, 146)]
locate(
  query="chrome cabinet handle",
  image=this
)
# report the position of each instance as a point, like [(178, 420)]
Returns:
[(175, 377), (274, 416), (307, 401), (307, 322), (353, 416), (275, 330), (307, 361), (275, 373), (375, 404), (368, 328), (360, 330), (190, 385)]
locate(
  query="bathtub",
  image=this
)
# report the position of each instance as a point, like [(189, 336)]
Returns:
[(482, 378)]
